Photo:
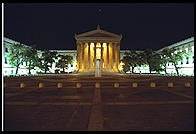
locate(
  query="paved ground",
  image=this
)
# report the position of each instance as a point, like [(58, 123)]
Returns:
[(97, 104)]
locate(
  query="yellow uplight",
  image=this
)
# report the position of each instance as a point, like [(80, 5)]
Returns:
[(104, 45), (92, 45)]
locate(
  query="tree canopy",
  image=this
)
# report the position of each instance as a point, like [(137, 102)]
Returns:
[(16, 57), (46, 60), (31, 58), (64, 61)]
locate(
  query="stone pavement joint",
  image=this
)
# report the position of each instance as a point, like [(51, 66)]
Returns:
[(148, 102), (96, 117), (48, 103)]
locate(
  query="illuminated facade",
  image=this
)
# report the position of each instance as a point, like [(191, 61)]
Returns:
[(186, 66), (98, 45), (104, 46)]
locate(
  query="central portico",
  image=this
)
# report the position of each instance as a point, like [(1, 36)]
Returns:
[(98, 45)]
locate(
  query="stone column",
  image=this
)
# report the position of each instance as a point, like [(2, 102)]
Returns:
[(78, 55), (89, 62), (101, 55), (86, 55), (107, 56), (92, 56), (104, 56), (113, 55), (95, 55), (82, 55), (118, 55)]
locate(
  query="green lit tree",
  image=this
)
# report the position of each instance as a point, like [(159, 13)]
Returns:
[(157, 63), (153, 60), (148, 58), (125, 66), (132, 59), (16, 57), (174, 57), (64, 61), (164, 59), (31, 58), (46, 60)]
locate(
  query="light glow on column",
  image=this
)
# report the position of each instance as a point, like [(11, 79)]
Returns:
[(86, 55), (92, 45), (104, 54), (110, 54)]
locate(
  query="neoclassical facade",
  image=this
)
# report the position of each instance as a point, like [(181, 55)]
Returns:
[(98, 45)]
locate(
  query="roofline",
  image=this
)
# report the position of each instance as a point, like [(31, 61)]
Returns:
[(13, 41), (99, 30), (178, 43)]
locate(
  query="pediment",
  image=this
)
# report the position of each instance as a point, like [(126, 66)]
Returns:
[(98, 33)]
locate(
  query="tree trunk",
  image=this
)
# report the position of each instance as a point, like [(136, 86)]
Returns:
[(132, 70), (17, 70), (29, 71), (45, 69), (165, 71), (17, 67), (165, 68), (150, 69), (176, 69), (30, 68)]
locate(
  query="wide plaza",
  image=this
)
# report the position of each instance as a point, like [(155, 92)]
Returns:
[(106, 103)]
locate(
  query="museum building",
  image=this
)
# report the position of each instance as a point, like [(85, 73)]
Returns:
[(101, 47), (98, 45)]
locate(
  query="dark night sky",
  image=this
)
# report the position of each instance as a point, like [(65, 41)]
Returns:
[(52, 26)]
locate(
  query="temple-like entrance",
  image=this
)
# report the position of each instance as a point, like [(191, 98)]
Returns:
[(98, 45)]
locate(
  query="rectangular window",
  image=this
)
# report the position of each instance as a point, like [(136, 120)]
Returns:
[(187, 60), (181, 62), (5, 60), (6, 49), (12, 71)]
